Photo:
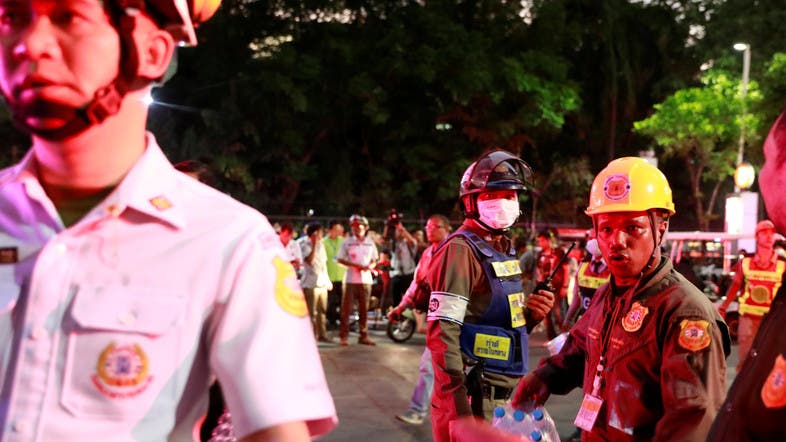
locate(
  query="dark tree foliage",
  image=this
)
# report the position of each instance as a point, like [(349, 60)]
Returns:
[(363, 105), (360, 106)]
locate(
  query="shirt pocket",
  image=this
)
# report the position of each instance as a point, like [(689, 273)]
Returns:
[(122, 352)]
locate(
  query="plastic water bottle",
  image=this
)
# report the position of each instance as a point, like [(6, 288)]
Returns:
[(514, 422), (224, 431), (501, 418), (544, 424)]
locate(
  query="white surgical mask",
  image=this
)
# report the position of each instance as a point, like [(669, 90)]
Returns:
[(499, 213)]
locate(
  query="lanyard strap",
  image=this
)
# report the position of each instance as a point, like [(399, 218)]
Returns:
[(605, 334)]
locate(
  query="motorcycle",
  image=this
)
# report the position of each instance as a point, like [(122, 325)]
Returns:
[(401, 329)]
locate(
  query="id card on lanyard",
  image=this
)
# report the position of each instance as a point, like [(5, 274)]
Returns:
[(592, 402), (590, 405)]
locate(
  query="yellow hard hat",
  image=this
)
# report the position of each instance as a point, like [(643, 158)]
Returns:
[(629, 184)]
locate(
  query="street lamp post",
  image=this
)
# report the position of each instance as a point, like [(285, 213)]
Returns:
[(746, 66)]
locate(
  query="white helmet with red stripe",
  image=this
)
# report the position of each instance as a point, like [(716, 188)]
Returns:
[(182, 16)]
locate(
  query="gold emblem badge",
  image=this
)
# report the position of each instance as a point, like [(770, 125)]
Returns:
[(122, 371), (694, 335), (616, 187), (635, 317), (773, 392), (161, 202), (288, 292), (760, 294)]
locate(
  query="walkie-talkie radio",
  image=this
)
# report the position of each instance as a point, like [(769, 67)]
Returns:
[(546, 283)]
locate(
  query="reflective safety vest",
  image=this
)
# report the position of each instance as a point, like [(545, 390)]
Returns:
[(760, 287), (589, 282), (499, 337)]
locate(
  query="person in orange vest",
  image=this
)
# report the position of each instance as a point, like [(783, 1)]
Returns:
[(755, 406), (759, 277)]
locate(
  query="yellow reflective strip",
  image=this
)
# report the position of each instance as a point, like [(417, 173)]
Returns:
[(591, 282), (779, 269), (764, 276), (755, 310), (506, 268), (516, 301), (492, 347)]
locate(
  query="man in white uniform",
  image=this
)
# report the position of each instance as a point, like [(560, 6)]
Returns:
[(126, 286), (315, 280), (360, 255)]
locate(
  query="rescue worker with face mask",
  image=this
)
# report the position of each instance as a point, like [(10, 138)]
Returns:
[(478, 317), (127, 287), (650, 350)]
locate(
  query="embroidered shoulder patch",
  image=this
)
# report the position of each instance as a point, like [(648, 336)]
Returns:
[(773, 392), (289, 295), (122, 371), (694, 335), (635, 317)]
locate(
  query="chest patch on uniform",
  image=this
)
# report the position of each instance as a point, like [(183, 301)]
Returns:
[(773, 392), (635, 317), (516, 301), (694, 335), (289, 296), (506, 268), (492, 347), (122, 371), (9, 255)]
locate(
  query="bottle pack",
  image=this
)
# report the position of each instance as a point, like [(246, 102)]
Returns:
[(536, 426)]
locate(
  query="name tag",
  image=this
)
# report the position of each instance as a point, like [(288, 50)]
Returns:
[(516, 301), (588, 413), (492, 347), (506, 268)]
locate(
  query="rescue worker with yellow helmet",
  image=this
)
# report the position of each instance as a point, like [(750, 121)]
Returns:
[(127, 287), (478, 317), (650, 351), (758, 276)]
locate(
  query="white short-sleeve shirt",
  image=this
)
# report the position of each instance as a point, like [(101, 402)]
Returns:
[(315, 273), (114, 328), (362, 252)]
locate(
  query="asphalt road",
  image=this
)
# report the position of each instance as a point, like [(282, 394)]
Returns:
[(370, 385)]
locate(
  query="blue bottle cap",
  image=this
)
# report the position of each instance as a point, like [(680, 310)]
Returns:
[(536, 436), (537, 414), (518, 415), (499, 412)]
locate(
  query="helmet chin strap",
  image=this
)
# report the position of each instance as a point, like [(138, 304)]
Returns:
[(106, 101), (656, 242)]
